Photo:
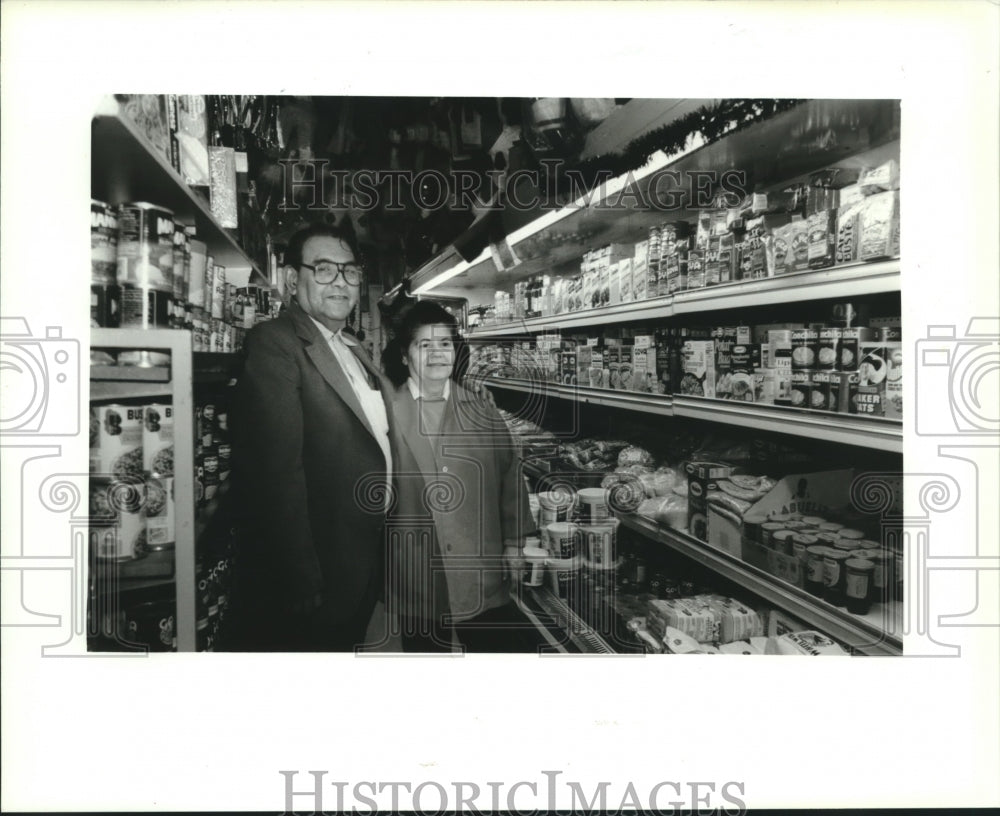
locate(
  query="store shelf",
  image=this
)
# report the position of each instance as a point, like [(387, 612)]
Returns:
[(872, 634), (152, 570), (867, 432), (564, 630), (851, 280), (125, 168), (178, 390), (786, 147), (635, 401)]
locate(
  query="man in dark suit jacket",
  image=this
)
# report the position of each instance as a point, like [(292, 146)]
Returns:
[(311, 458)]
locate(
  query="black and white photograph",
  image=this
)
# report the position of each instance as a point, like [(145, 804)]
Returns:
[(500, 406)]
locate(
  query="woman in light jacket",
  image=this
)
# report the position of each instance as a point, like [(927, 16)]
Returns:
[(460, 512)]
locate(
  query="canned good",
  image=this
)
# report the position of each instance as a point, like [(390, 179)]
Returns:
[(834, 576), (209, 284), (145, 252), (143, 308), (850, 343), (828, 350), (105, 305), (853, 535), (117, 526), (814, 580), (160, 514), (158, 440), (813, 521), (181, 257), (116, 442), (825, 395), (805, 345), (831, 526), (858, 585), (152, 625), (801, 389), (103, 243), (105, 293), (211, 480), (796, 525)]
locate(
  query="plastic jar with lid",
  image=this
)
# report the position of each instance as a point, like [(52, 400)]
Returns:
[(782, 541), (826, 539), (858, 585), (767, 530), (814, 570), (834, 576)]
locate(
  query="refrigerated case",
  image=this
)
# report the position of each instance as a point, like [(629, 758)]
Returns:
[(779, 151)]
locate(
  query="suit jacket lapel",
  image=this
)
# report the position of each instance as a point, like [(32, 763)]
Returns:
[(322, 356), (414, 439)]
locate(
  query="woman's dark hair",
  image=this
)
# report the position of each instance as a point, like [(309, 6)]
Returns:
[(293, 252), (421, 313)]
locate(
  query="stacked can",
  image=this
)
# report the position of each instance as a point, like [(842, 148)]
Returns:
[(117, 485), (105, 295), (145, 255), (158, 468)]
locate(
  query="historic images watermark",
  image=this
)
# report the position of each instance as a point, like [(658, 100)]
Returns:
[(551, 186), (525, 796)]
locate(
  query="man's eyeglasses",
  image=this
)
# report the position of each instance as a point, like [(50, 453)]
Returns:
[(327, 271)]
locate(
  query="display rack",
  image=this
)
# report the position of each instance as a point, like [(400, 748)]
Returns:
[(848, 133), (124, 168), (871, 432), (178, 345), (874, 634), (847, 281)]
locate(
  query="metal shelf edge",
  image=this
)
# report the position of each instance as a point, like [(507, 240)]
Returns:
[(857, 634)]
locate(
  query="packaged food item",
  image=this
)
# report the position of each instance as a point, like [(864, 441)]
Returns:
[(879, 226), (809, 643), (116, 442), (825, 394), (148, 112), (805, 347), (599, 542), (851, 341), (703, 480), (847, 245), (822, 232), (644, 371), (698, 362), (746, 387), (883, 178), (222, 178), (713, 274), (640, 272), (893, 402), (801, 393), (625, 280), (104, 291), (727, 258), (835, 177), (158, 440), (192, 139)]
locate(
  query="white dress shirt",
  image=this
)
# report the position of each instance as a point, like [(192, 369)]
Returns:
[(370, 398)]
